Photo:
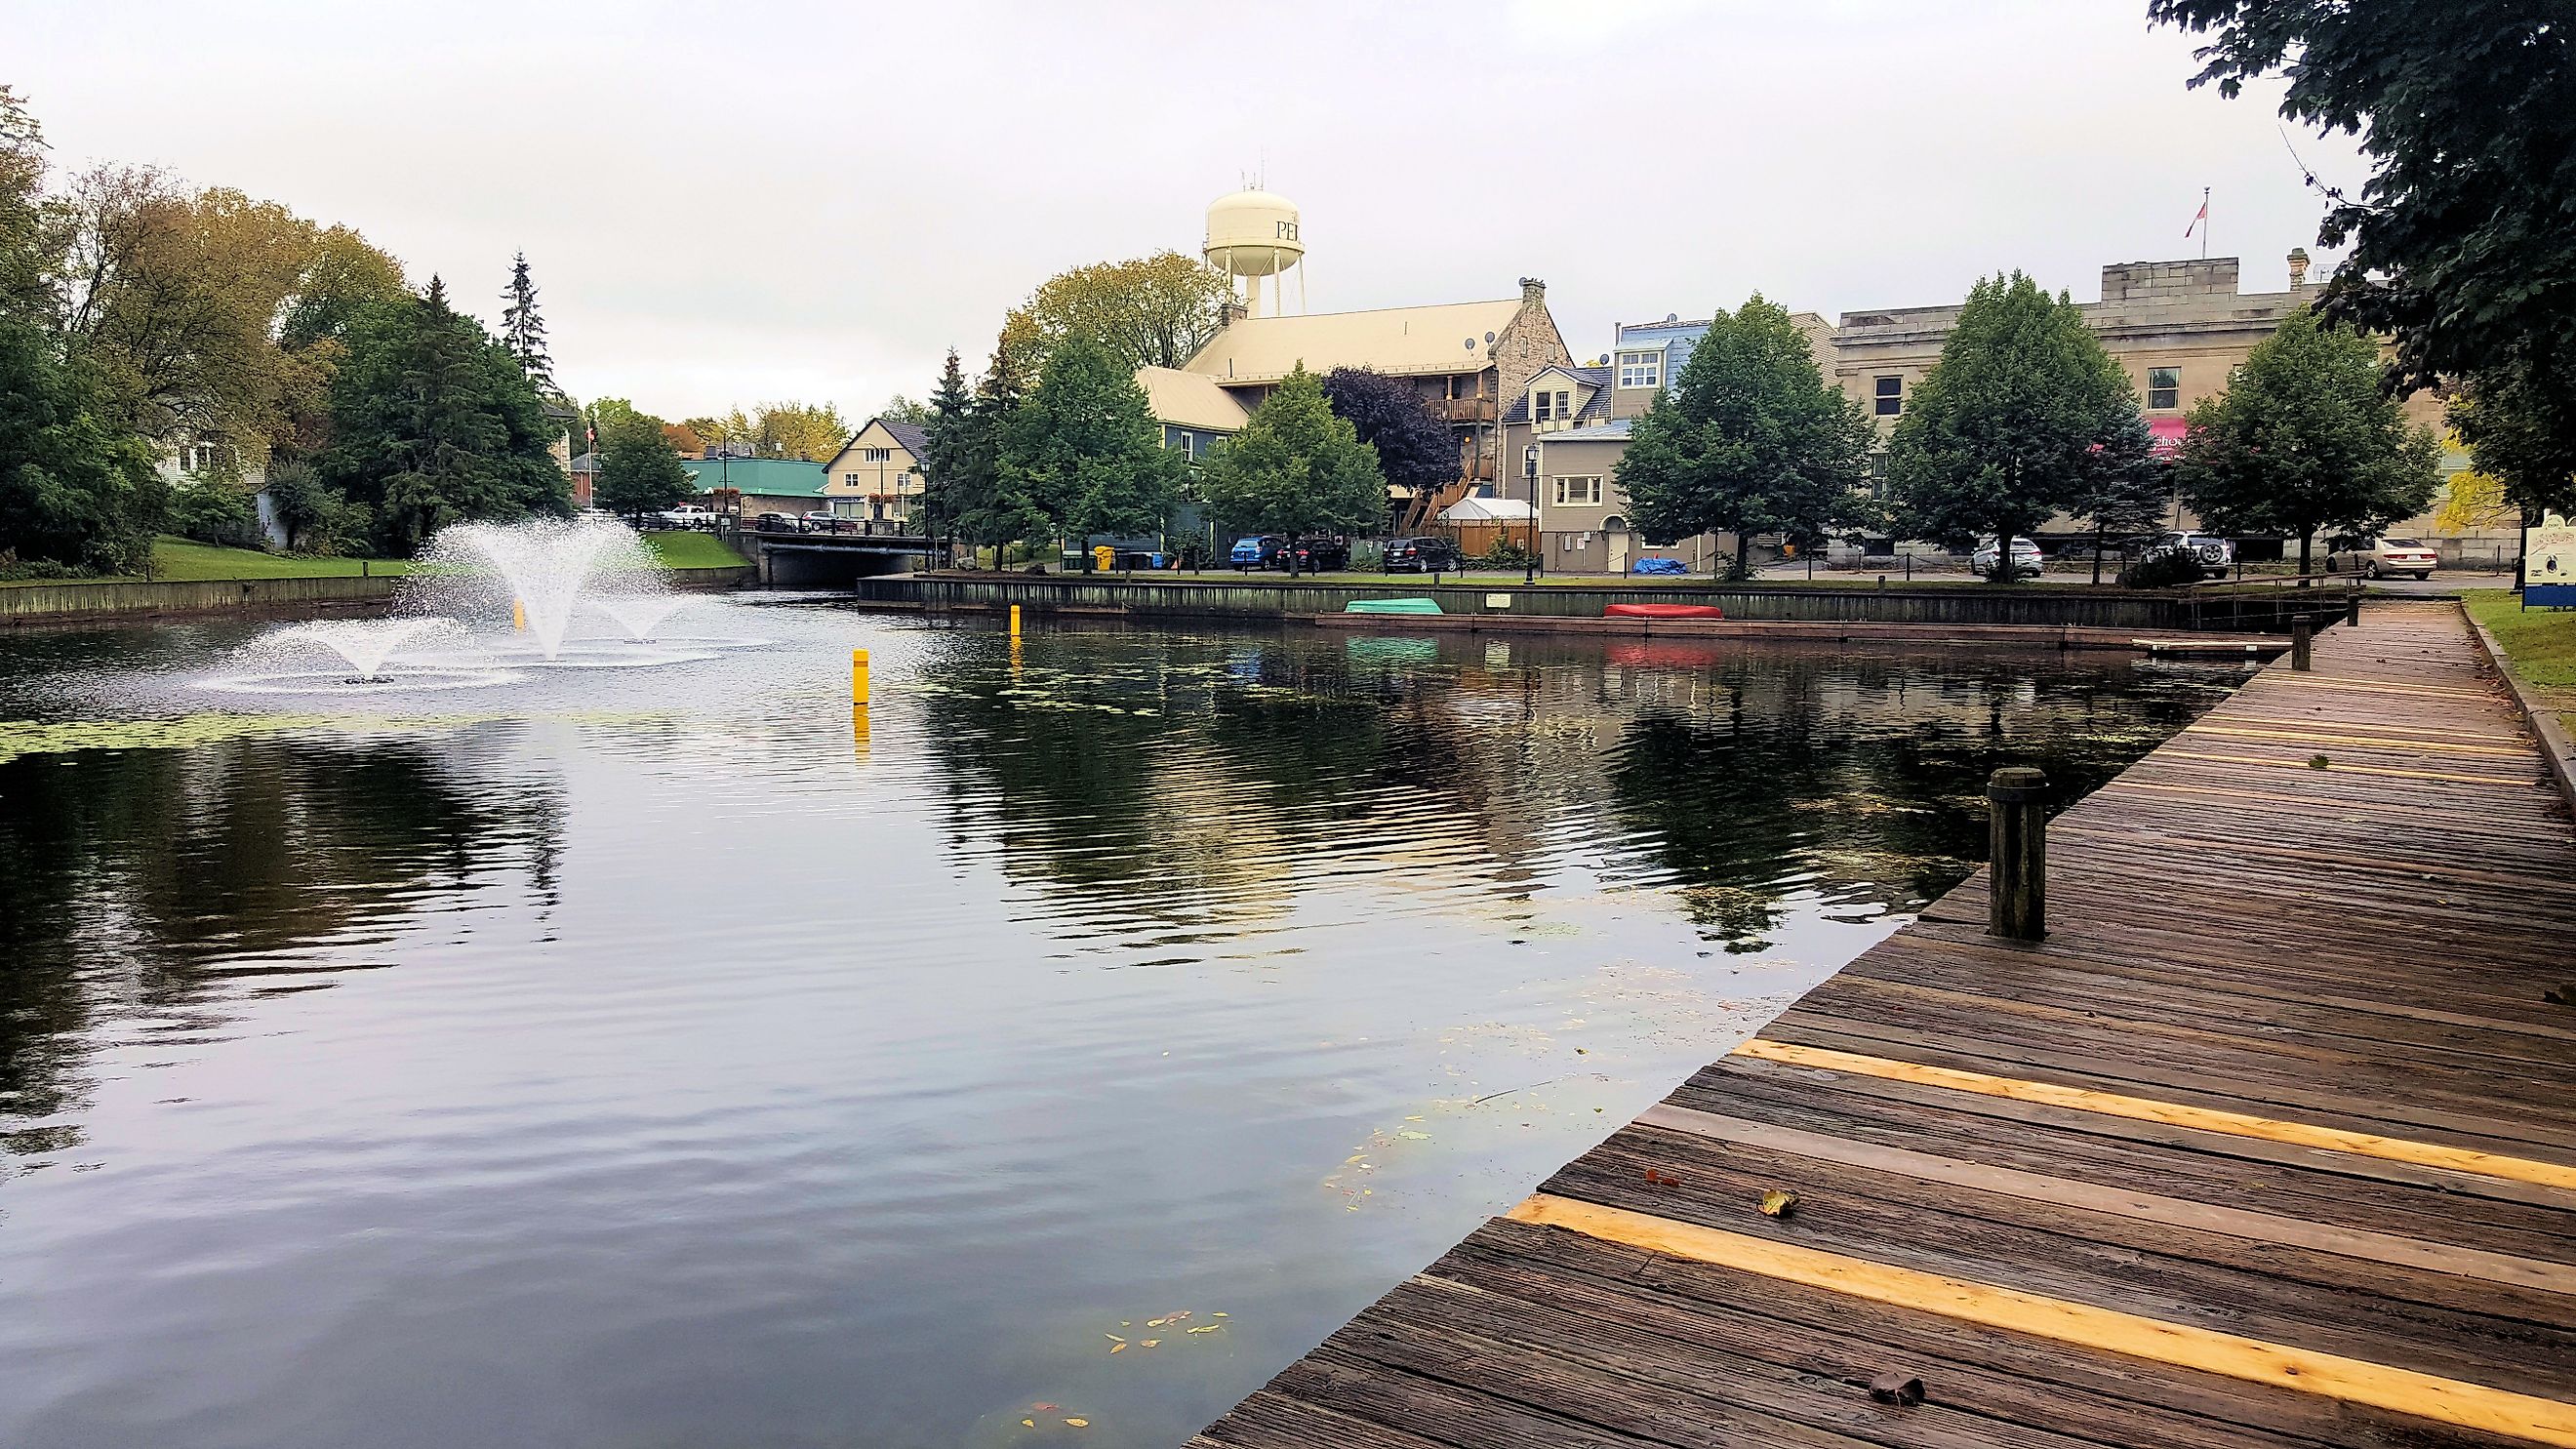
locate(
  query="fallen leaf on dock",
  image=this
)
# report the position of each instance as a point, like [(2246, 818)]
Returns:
[(1778, 1204)]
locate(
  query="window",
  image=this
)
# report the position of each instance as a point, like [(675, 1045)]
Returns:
[(1891, 396), (877, 455), (1564, 406), (2164, 387), (1641, 369), (1579, 492), (850, 480), (1878, 475), (1541, 406)]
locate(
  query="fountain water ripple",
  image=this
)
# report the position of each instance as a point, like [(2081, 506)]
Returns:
[(364, 643)]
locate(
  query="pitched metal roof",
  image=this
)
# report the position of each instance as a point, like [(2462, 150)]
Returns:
[(769, 477), (1190, 399), (1404, 341)]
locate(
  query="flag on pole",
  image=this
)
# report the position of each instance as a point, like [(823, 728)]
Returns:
[(2197, 218), (590, 431)]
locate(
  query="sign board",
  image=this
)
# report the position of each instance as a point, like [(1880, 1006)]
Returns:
[(1498, 601), (2549, 565)]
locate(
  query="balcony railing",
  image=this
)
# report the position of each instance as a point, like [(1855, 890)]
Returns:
[(1463, 409)]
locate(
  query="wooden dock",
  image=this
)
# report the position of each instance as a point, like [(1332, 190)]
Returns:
[(2272, 1142)]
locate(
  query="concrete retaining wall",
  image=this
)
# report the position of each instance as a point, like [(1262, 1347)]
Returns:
[(2258, 611), (77, 602)]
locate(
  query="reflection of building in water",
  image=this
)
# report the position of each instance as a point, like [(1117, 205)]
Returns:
[(1177, 783)]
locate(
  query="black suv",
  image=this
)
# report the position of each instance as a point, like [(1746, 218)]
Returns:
[(1430, 554), (1321, 555)]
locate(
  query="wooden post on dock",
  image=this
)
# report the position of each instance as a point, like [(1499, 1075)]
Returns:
[(2352, 604), (2017, 832), (2302, 628)]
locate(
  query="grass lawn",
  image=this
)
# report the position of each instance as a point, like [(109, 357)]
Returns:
[(186, 560), (2540, 642), (684, 549)]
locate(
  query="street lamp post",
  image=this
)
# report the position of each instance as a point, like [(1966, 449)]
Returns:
[(1529, 558)]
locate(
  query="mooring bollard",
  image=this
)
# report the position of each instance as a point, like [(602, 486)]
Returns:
[(858, 676), (2302, 628), (2352, 605), (2017, 837)]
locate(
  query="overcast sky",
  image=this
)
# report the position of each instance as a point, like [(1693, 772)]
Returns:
[(747, 201)]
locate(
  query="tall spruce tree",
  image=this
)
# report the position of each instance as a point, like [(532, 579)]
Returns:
[(2304, 440), (524, 332), (1753, 440), (2003, 432), (435, 423), (1296, 468), (947, 444)]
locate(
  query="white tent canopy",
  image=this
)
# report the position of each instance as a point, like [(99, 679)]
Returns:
[(1488, 510)]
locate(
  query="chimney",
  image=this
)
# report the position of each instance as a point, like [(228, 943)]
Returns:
[(1533, 292), (2298, 269)]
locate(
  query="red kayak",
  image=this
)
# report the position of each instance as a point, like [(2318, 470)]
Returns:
[(1663, 611)]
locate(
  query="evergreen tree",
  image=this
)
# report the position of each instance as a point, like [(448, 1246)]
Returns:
[(2003, 431), (947, 443), (639, 470), (435, 423), (524, 332), (1296, 468), (1753, 440), (1415, 449), (2125, 487), (2303, 439), (1083, 455), (968, 491)]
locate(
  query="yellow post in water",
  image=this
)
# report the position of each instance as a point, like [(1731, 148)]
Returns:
[(858, 676), (1015, 621), (519, 616)]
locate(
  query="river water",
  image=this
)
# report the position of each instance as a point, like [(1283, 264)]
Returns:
[(661, 1056)]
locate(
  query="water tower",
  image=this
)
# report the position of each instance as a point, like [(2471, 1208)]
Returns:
[(1252, 235)]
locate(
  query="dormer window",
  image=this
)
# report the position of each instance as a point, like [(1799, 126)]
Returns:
[(1641, 369), (1542, 405)]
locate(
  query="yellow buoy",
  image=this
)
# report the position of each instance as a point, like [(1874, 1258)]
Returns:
[(858, 676), (1015, 621)]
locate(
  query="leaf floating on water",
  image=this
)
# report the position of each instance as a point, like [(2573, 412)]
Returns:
[(1778, 1204), (1412, 1136), (1028, 1423), (1150, 1343), (1209, 1328), (1046, 1408), (1079, 1423), (1118, 1348), (1220, 1315), (1114, 1338)]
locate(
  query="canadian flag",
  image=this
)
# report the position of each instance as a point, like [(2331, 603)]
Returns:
[(2197, 218)]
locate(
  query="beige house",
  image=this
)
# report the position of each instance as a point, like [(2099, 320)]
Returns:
[(1466, 358), (877, 474)]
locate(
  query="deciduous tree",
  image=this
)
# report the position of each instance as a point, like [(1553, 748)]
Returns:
[(2303, 439), (1155, 311), (1415, 449), (2004, 430), (2463, 249), (1752, 440), (1083, 455), (2510, 416), (1297, 468), (76, 488), (640, 472)]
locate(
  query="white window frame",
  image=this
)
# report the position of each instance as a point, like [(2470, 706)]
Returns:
[(2171, 403), (1641, 369), (1578, 490)]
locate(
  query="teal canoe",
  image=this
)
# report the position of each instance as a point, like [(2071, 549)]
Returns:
[(1392, 606)]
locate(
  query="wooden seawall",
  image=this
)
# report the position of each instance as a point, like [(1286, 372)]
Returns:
[(2272, 1142)]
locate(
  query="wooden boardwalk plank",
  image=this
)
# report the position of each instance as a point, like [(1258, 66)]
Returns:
[(2272, 1143)]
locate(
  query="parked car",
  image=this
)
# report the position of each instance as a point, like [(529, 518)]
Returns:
[(1322, 555), (687, 515), (775, 523), (1259, 551), (2216, 554), (2380, 557), (1659, 566), (1427, 554), (1987, 558)]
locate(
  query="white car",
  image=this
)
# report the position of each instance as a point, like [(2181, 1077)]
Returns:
[(689, 515), (2380, 557), (2025, 558), (2215, 554)]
